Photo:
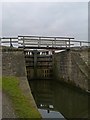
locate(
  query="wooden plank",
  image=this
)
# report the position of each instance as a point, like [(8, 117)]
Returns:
[(47, 37), (43, 40), (9, 38), (36, 47), (80, 41), (9, 41), (25, 44)]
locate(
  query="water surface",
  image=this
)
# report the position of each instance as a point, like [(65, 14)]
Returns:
[(57, 100)]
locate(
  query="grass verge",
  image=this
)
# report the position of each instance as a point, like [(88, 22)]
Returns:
[(21, 104), (0, 83)]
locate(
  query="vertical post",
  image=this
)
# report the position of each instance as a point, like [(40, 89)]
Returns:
[(23, 43), (80, 44), (18, 41), (55, 42), (39, 41), (0, 41), (69, 42), (52, 42), (10, 42), (66, 43)]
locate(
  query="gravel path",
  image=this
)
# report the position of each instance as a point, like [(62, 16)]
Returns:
[(7, 109)]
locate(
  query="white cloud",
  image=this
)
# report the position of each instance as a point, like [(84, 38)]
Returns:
[(45, 0), (59, 19), (0, 19)]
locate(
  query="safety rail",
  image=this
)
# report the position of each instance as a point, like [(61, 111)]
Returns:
[(9, 41), (41, 42)]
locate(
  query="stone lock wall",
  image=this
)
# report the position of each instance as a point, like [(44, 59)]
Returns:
[(13, 63), (68, 66)]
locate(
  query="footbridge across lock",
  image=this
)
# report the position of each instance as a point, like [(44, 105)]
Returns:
[(39, 50), (42, 42)]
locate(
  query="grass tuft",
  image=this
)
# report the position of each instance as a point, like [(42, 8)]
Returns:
[(21, 104)]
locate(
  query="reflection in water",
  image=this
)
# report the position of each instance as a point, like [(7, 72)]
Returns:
[(51, 114), (57, 99)]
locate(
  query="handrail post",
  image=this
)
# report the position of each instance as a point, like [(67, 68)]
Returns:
[(10, 42), (23, 43), (0, 41), (39, 41), (52, 43), (55, 42), (18, 41), (80, 44), (69, 42), (66, 43)]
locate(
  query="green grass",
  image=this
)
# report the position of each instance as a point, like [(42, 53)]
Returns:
[(0, 83), (21, 103)]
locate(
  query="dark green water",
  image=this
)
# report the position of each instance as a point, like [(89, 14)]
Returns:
[(56, 100)]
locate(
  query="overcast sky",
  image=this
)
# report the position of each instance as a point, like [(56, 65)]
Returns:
[(47, 19)]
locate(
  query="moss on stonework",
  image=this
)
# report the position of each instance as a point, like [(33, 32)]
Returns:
[(0, 83), (22, 105)]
